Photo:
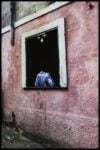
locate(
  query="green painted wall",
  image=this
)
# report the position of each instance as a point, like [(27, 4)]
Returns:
[(22, 9)]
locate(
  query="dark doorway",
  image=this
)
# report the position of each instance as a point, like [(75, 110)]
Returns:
[(42, 54)]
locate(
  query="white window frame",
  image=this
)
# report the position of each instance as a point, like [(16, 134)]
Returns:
[(61, 46)]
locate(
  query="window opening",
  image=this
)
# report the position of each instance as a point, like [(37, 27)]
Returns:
[(44, 51)]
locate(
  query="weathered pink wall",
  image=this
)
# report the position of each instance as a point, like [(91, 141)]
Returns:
[(66, 116)]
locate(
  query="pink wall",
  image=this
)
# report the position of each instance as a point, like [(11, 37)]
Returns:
[(67, 116)]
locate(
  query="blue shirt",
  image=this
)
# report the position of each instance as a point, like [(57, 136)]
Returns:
[(44, 79)]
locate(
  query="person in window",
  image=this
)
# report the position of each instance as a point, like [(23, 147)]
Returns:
[(44, 79)]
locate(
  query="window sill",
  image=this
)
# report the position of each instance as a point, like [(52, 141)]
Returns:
[(47, 88)]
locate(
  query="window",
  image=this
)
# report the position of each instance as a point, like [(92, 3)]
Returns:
[(43, 49)]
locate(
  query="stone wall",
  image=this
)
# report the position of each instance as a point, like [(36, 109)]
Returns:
[(70, 116)]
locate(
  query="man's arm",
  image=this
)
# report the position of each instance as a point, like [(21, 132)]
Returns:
[(50, 81), (36, 81)]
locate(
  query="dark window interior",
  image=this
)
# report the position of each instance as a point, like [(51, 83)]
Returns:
[(42, 55)]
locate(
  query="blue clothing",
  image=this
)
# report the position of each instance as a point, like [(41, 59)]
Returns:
[(44, 79)]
